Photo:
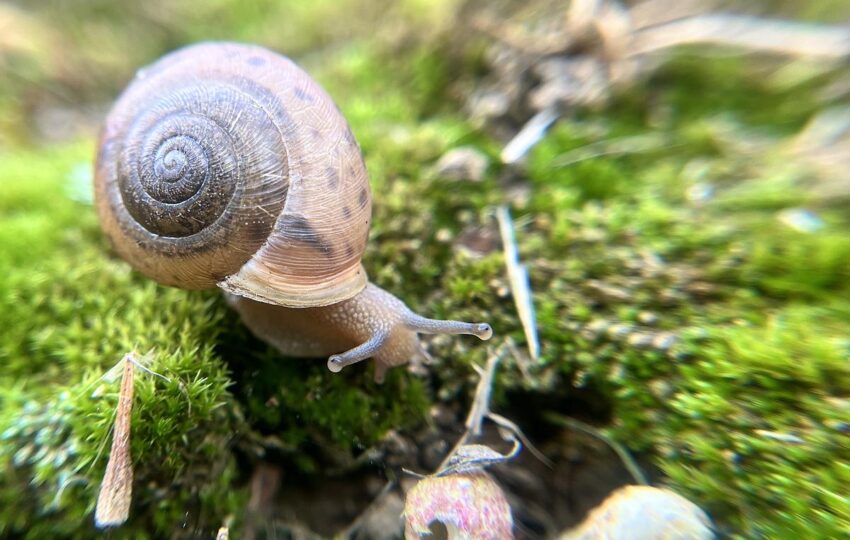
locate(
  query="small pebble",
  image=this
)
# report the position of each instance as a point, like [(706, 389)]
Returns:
[(664, 341), (477, 242), (842, 427), (381, 521), (598, 326), (472, 505), (661, 389), (640, 339), (647, 317), (462, 164), (488, 104), (801, 220), (643, 512), (619, 330), (780, 437)]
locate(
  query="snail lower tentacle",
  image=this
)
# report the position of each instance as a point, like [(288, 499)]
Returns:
[(361, 352)]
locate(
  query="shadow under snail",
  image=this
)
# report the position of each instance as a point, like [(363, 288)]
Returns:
[(226, 165)]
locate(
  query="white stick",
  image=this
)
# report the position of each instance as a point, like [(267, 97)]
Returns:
[(518, 278), (529, 135)]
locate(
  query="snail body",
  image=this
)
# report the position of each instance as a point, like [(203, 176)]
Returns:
[(225, 165)]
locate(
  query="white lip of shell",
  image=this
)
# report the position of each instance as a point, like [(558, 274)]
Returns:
[(254, 282)]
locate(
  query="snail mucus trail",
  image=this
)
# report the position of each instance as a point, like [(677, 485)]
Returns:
[(225, 165)]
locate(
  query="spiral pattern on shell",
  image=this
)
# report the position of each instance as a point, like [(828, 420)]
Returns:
[(188, 157), (223, 157)]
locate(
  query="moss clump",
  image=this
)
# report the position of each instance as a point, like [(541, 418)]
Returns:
[(692, 315), (71, 311), (774, 393), (717, 332)]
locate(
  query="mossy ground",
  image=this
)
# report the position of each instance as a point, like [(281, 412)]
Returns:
[(744, 410)]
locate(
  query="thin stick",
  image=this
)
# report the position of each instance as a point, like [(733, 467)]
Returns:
[(480, 404), (752, 33), (481, 401), (112, 374), (518, 277), (113, 501), (480, 409), (613, 147), (529, 135), (621, 452), (139, 364), (522, 360)]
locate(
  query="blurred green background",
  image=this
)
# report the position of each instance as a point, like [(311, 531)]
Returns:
[(726, 231)]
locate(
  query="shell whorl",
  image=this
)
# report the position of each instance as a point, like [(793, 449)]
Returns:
[(188, 162), (225, 164)]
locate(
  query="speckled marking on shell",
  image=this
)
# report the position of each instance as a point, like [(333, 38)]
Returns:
[(300, 228), (333, 178), (303, 95)]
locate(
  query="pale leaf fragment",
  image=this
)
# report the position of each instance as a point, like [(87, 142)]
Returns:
[(113, 501)]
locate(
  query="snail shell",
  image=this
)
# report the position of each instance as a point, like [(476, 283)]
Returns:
[(226, 164)]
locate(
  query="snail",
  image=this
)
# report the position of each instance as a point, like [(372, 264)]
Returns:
[(225, 165)]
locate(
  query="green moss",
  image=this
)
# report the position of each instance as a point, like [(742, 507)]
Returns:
[(71, 311), (773, 394), (714, 336), (742, 411)]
